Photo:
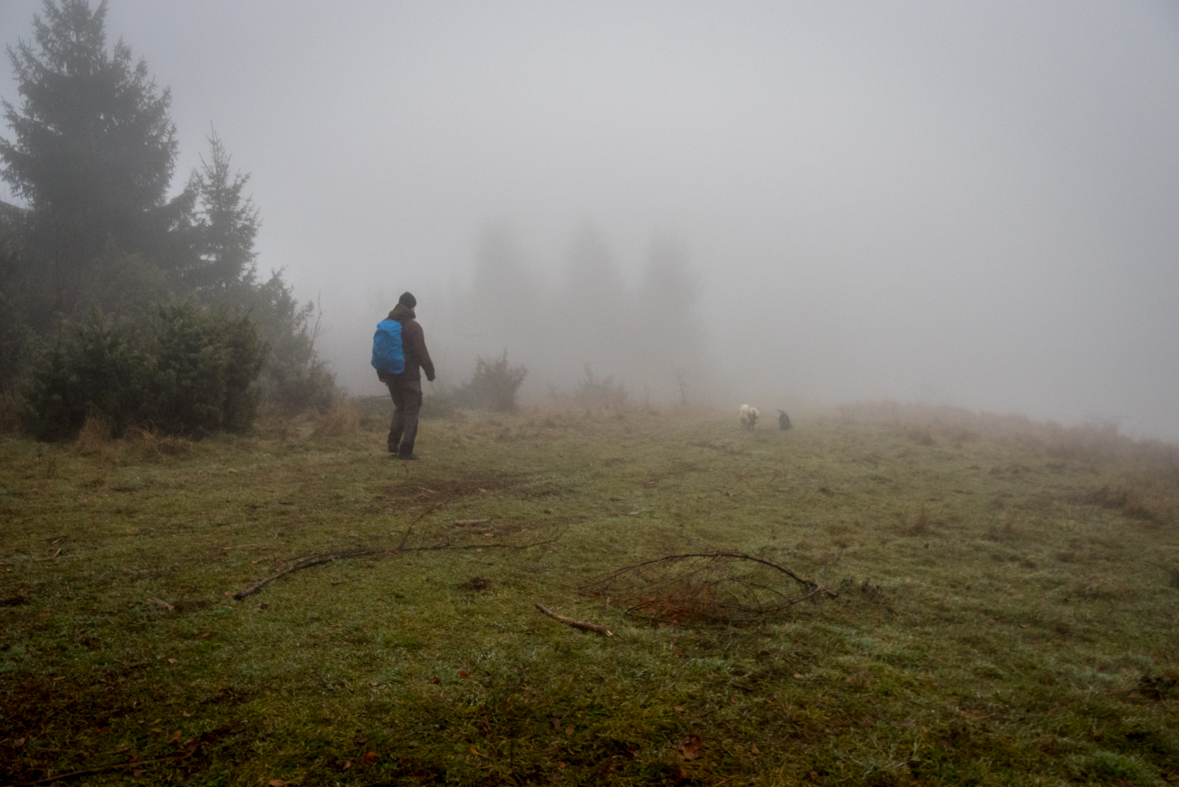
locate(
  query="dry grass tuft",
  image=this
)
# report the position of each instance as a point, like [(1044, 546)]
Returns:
[(147, 445), (94, 437), (342, 420), (1143, 496)]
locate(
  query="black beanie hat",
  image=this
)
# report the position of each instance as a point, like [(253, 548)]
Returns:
[(407, 300)]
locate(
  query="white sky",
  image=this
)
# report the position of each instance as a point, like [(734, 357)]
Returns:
[(968, 203)]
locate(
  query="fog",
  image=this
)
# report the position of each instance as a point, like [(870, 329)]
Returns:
[(971, 204)]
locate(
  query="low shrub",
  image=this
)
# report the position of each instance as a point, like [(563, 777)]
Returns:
[(594, 392), (94, 369), (493, 386), (189, 371), (341, 420), (204, 364)]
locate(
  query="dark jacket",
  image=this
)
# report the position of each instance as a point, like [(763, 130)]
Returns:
[(413, 344)]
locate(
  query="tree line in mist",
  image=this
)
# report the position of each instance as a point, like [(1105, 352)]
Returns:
[(586, 328), (108, 283)]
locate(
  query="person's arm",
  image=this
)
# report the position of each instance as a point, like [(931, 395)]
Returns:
[(424, 354)]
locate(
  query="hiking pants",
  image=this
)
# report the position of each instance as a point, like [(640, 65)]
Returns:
[(407, 401)]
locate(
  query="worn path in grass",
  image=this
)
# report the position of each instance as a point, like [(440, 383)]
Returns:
[(1002, 607)]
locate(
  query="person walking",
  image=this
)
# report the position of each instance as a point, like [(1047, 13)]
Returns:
[(406, 388)]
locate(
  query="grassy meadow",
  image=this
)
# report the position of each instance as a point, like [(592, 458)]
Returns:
[(984, 600)]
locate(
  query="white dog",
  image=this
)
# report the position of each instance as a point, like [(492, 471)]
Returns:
[(748, 416)]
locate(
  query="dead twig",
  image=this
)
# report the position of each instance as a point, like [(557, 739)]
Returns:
[(55, 554), (713, 586), (577, 624), (421, 516), (302, 563), (90, 771), (328, 557)]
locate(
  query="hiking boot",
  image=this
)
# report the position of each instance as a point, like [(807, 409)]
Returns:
[(410, 457)]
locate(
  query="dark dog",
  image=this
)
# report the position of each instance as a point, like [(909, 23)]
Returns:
[(783, 420)]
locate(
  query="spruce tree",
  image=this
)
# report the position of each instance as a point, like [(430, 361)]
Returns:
[(227, 223), (92, 155)]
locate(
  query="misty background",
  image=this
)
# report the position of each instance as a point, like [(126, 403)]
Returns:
[(773, 203)]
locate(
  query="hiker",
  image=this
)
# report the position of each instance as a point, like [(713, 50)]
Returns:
[(406, 387)]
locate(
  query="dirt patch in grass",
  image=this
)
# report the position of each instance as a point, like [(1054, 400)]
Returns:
[(476, 585)]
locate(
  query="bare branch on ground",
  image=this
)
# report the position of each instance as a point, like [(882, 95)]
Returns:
[(327, 557), (577, 624), (722, 587)]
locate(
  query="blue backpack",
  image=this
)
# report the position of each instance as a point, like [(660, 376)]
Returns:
[(387, 353)]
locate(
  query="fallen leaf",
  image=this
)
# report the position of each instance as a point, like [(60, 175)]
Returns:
[(679, 708), (435, 679), (175, 738), (753, 749), (122, 747), (346, 765), (186, 714), (276, 783), (171, 661), (691, 747), (561, 764), (462, 674), (353, 533), (798, 675), (370, 756), (160, 602)]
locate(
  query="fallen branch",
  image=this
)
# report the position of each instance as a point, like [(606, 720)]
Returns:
[(577, 624), (328, 557), (302, 563), (91, 771), (707, 586)]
